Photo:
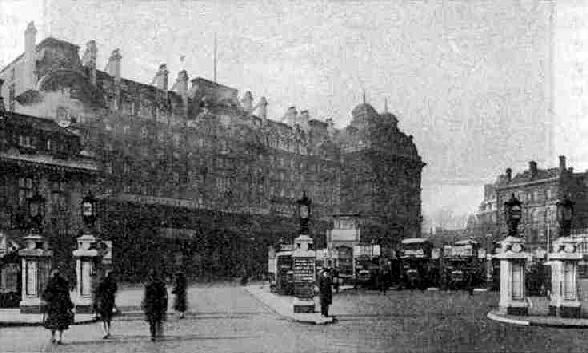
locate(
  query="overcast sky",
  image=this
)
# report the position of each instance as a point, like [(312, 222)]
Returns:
[(467, 78)]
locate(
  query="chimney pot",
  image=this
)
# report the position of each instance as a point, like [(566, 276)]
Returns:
[(182, 82), (562, 163), (533, 168), (508, 174), (247, 101), (113, 67)]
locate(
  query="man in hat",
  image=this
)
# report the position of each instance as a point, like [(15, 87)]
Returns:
[(325, 292)]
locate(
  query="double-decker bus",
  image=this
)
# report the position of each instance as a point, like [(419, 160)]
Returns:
[(416, 263), (461, 265)]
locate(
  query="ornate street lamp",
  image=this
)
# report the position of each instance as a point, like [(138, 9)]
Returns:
[(304, 213), (512, 214), (89, 209), (565, 215), (36, 208)]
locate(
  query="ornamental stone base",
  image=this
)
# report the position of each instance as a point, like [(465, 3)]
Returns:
[(304, 306)]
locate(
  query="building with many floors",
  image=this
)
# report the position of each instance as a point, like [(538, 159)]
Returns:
[(197, 176), (539, 190)]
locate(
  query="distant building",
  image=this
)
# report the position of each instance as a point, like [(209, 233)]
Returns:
[(483, 223), (539, 190), (193, 169)]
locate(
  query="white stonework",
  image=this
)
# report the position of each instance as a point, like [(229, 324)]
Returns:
[(85, 262), (512, 277), (564, 260)]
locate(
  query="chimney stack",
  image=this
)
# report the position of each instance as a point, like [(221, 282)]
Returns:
[(162, 78), (30, 60), (508, 174), (562, 163), (247, 102), (1, 98), (533, 168), (304, 119), (263, 109), (330, 127), (113, 66), (182, 82), (89, 60), (291, 115)]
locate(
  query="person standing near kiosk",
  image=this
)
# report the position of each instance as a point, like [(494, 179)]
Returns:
[(325, 292)]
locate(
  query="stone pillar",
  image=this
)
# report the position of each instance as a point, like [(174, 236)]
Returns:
[(36, 267), (512, 277), (304, 261), (564, 260), (87, 258)]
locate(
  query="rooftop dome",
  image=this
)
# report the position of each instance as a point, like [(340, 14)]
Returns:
[(363, 109), (362, 115)]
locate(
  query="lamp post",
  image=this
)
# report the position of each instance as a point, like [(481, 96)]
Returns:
[(565, 215), (304, 214), (88, 256), (512, 258), (564, 258), (512, 214), (304, 261), (36, 257), (89, 210)]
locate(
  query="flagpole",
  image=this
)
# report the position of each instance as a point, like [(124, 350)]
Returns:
[(215, 57)]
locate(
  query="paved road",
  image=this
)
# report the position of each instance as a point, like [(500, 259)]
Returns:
[(227, 319)]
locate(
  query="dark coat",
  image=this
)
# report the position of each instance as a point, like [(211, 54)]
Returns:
[(105, 297), (59, 313), (180, 290), (155, 300), (325, 290)]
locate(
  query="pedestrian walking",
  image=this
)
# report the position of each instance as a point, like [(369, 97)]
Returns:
[(155, 304), (325, 292), (180, 290), (105, 299), (59, 313)]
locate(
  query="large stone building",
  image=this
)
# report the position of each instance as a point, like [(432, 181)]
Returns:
[(539, 190), (37, 155), (207, 178)]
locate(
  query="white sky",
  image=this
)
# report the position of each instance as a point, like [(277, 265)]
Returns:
[(467, 78)]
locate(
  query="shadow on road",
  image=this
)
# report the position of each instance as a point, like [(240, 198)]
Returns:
[(120, 339)]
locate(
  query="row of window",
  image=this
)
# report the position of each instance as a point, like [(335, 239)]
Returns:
[(46, 144), (57, 198)]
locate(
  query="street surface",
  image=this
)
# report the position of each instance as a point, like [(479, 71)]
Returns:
[(224, 318)]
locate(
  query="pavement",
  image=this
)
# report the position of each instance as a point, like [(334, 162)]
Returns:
[(538, 316), (128, 303), (284, 305)]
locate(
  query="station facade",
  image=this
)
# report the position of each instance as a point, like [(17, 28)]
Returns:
[(196, 176)]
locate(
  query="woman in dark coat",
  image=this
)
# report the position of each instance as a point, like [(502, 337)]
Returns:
[(180, 290), (155, 303), (325, 292), (59, 306), (105, 297)]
